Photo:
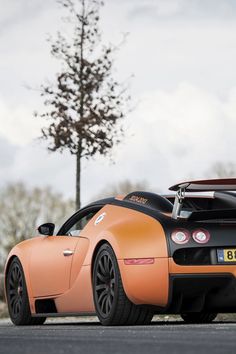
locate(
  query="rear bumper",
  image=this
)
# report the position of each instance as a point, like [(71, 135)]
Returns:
[(201, 269), (173, 288), (201, 288), (202, 292)]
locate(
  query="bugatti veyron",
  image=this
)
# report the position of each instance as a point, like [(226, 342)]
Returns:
[(129, 257)]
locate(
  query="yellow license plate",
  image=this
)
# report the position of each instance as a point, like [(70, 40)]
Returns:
[(226, 255)]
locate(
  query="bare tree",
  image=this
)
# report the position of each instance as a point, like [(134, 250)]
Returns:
[(85, 105), (222, 170), (22, 210)]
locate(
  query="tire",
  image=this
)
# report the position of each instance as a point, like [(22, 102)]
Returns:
[(198, 317), (113, 308), (17, 297)]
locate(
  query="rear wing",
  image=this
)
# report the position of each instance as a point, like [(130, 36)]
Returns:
[(226, 184), (208, 185)]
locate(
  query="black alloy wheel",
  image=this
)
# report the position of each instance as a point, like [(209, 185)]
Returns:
[(111, 303), (15, 290), (104, 283), (17, 297)]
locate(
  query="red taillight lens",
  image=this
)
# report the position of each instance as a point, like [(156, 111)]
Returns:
[(180, 236), (201, 236)]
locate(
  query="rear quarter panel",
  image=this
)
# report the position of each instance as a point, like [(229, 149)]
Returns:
[(133, 234)]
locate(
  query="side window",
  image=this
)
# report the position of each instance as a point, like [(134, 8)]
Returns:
[(80, 224)]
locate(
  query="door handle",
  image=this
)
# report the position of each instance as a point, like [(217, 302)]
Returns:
[(67, 253)]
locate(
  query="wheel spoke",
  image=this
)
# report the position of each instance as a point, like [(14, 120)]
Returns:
[(13, 274), (100, 287), (12, 292), (111, 271), (105, 283), (101, 277), (11, 283), (112, 292), (17, 272), (106, 264), (101, 266), (109, 301), (14, 307), (107, 305), (101, 296), (13, 299), (103, 303), (17, 307)]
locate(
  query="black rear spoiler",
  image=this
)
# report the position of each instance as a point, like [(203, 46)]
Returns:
[(207, 185), (212, 214)]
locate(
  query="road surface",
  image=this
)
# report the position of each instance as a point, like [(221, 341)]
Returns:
[(71, 336)]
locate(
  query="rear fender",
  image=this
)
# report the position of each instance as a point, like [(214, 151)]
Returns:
[(133, 234)]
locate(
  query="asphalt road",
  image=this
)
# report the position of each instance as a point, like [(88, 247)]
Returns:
[(77, 336)]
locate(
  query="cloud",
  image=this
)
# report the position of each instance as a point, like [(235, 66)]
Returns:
[(17, 123), (185, 81), (176, 135), (173, 135), (155, 9), (187, 125), (7, 154), (15, 12), (35, 166), (182, 9)]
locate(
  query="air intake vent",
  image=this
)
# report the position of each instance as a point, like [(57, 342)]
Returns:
[(45, 306), (193, 256)]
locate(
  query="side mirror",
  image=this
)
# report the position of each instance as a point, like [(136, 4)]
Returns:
[(46, 229)]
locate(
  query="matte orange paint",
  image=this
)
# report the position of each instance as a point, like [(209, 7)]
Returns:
[(68, 279), (49, 268), (146, 284), (80, 297)]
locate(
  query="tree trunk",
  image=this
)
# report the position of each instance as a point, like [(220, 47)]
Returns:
[(78, 179), (81, 111)]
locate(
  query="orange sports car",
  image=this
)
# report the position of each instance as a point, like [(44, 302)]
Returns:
[(128, 258)]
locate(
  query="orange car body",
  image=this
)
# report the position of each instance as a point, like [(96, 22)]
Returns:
[(69, 279), (151, 273)]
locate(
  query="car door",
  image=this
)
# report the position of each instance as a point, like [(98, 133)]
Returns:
[(50, 262), (50, 265)]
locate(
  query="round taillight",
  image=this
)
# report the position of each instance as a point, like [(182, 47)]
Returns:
[(180, 236), (201, 236)]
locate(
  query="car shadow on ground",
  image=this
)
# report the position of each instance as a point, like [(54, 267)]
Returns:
[(153, 324)]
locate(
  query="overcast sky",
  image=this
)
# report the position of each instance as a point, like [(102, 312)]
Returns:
[(182, 54)]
